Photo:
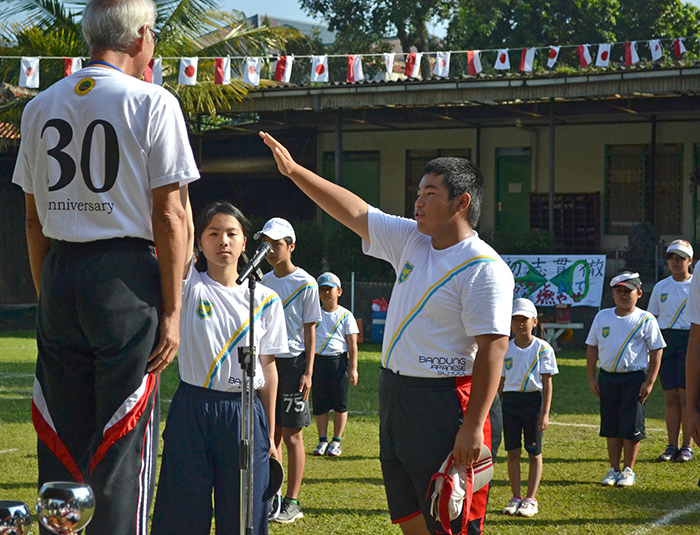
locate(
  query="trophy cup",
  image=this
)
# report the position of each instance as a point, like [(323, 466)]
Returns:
[(65, 507), (15, 518)]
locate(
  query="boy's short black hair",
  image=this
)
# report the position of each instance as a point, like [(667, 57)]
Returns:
[(460, 176)]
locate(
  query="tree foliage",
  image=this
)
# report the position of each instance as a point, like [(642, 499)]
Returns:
[(187, 28)]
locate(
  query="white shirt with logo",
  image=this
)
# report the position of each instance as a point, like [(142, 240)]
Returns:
[(624, 342), (668, 302), (692, 310), (215, 322), (93, 147), (299, 294), (441, 300), (332, 330), (523, 368)]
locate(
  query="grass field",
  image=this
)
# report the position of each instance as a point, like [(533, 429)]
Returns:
[(345, 495)]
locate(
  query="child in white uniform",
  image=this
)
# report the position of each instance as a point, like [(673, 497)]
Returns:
[(202, 434), (526, 390), (668, 301), (335, 365), (625, 343)]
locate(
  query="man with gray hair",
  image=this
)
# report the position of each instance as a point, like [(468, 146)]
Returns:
[(104, 163)]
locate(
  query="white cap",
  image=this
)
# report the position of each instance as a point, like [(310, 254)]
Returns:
[(628, 280), (328, 279), (524, 307), (277, 229), (680, 247)]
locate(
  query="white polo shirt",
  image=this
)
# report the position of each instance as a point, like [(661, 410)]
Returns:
[(523, 368), (668, 302), (332, 330)]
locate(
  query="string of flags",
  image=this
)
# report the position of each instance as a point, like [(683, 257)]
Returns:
[(187, 74)]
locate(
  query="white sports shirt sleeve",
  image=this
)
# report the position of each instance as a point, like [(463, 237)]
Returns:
[(332, 330), (93, 147), (523, 368), (668, 302), (692, 310), (441, 300)]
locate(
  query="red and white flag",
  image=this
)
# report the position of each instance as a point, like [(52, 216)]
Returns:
[(413, 64), (631, 55), (474, 62), (656, 51), (442, 65), (71, 65), (251, 71), (154, 72), (222, 71), (553, 56), (29, 73), (188, 71), (355, 73), (389, 63), (527, 60), (283, 70), (319, 68), (603, 59), (584, 55), (502, 60), (679, 47)]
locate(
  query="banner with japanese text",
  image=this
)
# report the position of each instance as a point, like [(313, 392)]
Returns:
[(548, 280)]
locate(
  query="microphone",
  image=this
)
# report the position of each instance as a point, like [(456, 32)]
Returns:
[(252, 266)]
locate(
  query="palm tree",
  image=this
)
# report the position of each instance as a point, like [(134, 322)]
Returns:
[(188, 28)]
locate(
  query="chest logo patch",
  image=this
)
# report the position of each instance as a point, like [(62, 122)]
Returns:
[(406, 272), (664, 297), (204, 310), (84, 86), (508, 362), (605, 332)]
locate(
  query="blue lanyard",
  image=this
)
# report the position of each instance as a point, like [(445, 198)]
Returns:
[(104, 63)]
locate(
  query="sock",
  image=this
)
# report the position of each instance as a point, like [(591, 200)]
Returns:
[(337, 439), (290, 500), (323, 439)]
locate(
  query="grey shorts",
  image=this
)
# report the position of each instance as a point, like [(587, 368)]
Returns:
[(292, 411)]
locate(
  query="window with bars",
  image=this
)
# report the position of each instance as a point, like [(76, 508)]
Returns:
[(634, 194)]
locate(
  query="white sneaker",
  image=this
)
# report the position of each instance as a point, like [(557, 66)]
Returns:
[(627, 478), (611, 478), (528, 507), (512, 506)]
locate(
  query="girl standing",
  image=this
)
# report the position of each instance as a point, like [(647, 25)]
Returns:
[(526, 390), (202, 433), (667, 303)]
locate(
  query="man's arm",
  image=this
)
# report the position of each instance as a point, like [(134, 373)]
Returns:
[(189, 249), (654, 365), (591, 361), (170, 235), (341, 204), (37, 243), (692, 382), (310, 348), (488, 365)]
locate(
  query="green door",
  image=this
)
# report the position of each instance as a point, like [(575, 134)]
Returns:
[(360, 174), (513, 172)]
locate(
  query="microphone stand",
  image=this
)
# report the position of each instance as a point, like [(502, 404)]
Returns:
[(246, 357)]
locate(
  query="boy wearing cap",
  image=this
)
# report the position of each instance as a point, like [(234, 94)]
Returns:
[(626, 343), (335, 365), (667, 303), (299, 294)]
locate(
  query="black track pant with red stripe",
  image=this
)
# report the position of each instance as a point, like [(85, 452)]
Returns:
[(95, 408)]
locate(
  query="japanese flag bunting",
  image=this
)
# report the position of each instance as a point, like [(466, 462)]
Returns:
[(603, 59), (319, 68), (474, 62), (679, 47), (656, 50), (29, 73), (553, 56), (389, 62), (442, 65), (631, 55), (584, 55), (502, 60), (188, 71), (72, 65), (251, 71)]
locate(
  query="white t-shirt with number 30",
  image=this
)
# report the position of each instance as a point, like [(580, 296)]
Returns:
[(93, 147)]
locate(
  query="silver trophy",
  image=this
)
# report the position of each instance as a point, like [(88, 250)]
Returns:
[(15, 518), (65, 507)]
